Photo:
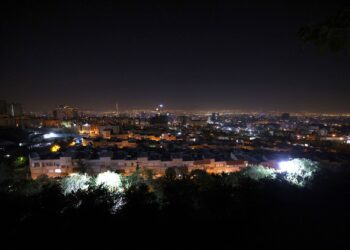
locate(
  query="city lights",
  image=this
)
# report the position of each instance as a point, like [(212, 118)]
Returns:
[(55, 148), (139, 124), (50, 135)]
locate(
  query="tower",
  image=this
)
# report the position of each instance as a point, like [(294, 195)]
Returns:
[(117, 109)]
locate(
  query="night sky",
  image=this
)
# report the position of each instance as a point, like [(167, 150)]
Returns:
[(187, 55)]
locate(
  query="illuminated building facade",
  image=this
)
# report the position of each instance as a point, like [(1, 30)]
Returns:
[(63, 166)]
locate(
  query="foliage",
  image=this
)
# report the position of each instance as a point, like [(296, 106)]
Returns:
[(302, 171), (204, 203), (132, 180), (75, 182), (182, 171), (333, 34), (170, 173), (259, 172), (110, 180), (81, 167), (20, 161), (95, 199), (14, 169)]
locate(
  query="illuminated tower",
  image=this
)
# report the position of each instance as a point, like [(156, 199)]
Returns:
[(117, 109)]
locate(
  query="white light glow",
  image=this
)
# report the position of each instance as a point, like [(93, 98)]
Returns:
[(58, 170), (50, 135), (288, 166), (75, 182), (110, 180), (298, 171)]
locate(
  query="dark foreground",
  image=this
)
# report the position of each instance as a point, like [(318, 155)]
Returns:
[(193, 212)]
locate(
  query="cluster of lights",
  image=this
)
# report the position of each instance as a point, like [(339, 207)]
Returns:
[(160, 106), (75, 182)]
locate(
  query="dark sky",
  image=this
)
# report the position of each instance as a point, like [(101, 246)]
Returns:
[(234, 54)]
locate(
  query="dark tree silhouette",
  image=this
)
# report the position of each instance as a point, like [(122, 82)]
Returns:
[(333, 34)]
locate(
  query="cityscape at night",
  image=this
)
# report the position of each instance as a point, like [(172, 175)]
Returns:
[(175, 124)]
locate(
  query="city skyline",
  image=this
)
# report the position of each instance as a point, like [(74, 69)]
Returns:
[(125, 110)]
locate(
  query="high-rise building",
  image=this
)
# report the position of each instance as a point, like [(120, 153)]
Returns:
[(116, 109), (11, 114), (14, 109), (214, 117), (65, 112), (285, 116), (159, 120)]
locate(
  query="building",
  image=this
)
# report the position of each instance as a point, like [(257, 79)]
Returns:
[(63, 166), (13, 109), (214, 118), (159, 120), (285, 116), (11, 114), (197, 122), (65, 113), (51, 167)]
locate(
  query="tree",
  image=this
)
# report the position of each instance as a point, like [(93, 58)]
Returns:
[(170, 173), (74, 183), (81, 166), (183, 171), (6, 172), (149, 173), (333, 34)]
